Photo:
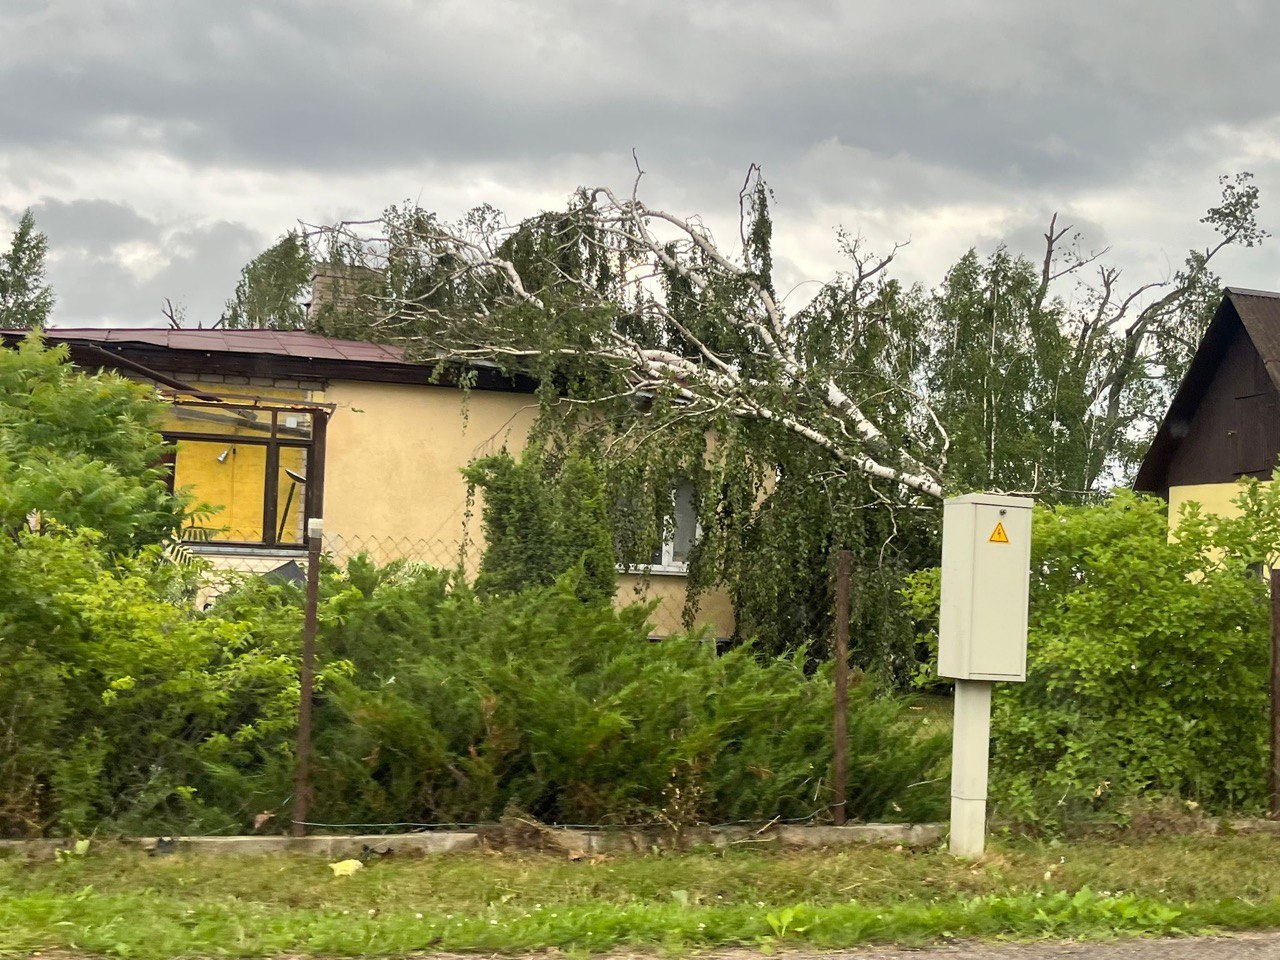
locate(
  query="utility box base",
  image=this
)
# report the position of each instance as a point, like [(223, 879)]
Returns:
[(969, 745)]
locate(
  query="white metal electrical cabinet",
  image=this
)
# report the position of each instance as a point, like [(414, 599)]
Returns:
[(986, 564)]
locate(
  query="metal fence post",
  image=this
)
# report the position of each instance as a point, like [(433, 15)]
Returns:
[(1273, 779), (306, 679), (840, 724)]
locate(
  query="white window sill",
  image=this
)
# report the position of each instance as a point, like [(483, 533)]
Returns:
[(656, 570), (215, 548)]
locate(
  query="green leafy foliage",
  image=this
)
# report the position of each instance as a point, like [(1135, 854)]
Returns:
[(126, 710), (272, 287), (459, 706), (1013, 372), (1147, 661), (82, 450), (117, 697), (25, 298), (121, 704), (543, 515)]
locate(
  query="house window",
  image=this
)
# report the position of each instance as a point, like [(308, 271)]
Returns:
[(680, 531), (251, 463)]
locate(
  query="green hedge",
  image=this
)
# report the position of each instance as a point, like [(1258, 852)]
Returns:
[(1147, 662), (125, 710), (457, 707)]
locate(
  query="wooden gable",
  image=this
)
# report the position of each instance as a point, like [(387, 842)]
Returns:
[(1224, 422), (1234, 431)]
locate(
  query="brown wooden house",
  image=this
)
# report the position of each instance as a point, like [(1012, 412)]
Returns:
[(1224, 421)]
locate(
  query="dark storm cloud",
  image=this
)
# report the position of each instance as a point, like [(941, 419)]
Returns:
[(110, 265), (1023, 92), (165, 143), (91, 224)]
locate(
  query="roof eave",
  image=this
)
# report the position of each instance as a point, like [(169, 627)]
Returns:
[(1153, 472)]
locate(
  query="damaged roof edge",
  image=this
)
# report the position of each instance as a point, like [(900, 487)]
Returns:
[(295, 354)]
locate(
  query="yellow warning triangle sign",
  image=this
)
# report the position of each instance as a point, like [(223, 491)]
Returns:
[(998, 535)]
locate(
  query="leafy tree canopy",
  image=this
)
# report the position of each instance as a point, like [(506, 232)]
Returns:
[(81, 449), (272, 289), (834, 422)]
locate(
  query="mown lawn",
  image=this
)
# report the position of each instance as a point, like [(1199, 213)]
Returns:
[(127, 904)]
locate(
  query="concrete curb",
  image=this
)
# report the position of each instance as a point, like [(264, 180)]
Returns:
[(572, 841)]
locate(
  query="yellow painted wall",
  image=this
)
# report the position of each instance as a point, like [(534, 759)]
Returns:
[(235, 484), (1213, 498), (395, 451), (392, 480), (714, 609), (392, 477)]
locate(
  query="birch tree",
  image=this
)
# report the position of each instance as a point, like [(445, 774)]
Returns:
[(1052, 374), (614, 298), (807, 425), (272, 288)]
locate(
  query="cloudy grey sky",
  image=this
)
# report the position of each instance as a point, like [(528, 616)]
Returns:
[(162, 143)]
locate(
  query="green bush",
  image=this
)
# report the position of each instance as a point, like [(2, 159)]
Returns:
[(123, 709), (1147, 661), (82, 450), (117, 702), (458, 707), (543, 514), (128, 711)]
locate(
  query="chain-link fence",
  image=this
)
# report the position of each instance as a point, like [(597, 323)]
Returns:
[(666, 588)]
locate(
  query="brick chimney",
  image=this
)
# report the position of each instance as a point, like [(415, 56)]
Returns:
[(336, 289)]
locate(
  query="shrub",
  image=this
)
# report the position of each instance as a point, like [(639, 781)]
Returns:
[(81, 449), (123, 709), (1147, 662), (543, 514), (116, 699), (460, 706)]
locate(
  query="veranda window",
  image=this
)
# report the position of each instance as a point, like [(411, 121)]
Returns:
[(253, 462)]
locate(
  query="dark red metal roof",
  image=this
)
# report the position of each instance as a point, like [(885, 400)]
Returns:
[(280, 343), (268, 353)]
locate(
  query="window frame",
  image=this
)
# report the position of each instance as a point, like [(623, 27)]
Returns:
[(668, 566), (274, 443)]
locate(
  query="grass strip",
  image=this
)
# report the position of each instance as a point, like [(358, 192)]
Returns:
[(121, 903), (144, 926)]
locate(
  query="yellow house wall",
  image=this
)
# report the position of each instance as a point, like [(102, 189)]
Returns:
[(393, 484), (1213, 498), (392, 476), (395, 452), (714, 609)]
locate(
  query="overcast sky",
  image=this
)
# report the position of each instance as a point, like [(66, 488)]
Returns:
[(163, 143)]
